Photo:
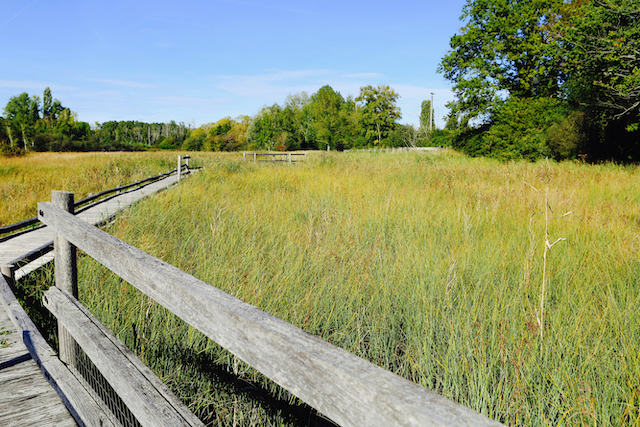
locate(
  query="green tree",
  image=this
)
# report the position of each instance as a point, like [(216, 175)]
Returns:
[(47, 104), (378, 112), (602, 50), (21, 108), (425, 113), (505, 49), (263, 132), (23, 112), (329, 122)]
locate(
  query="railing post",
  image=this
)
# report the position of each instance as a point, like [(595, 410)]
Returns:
[(186, 160), (254, 157), (66, 273), (179, 168), (8, 271)]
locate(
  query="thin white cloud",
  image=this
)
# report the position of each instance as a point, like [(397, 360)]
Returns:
[(271, 84), (268, 6), (366, 76), (190, 101), (33, 85), (15, 15), (277, 84), (123, 83)]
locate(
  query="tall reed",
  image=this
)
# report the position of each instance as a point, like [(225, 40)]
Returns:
[(26, 180), (422, 264)]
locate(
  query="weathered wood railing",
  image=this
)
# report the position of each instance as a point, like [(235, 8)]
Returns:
[(349, 390), (275, 157), (101, 197)]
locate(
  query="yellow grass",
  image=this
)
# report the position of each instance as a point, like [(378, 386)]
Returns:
[(430, 266), (26, 180)]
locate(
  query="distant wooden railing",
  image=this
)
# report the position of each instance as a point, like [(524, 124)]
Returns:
[(275, 157), (84, 204), (349, 390), (394, 149)]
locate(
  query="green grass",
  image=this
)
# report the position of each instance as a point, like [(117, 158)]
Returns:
[(430, 266)]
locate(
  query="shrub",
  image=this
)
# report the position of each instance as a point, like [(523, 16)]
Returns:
[(530, 129), (193, 143), (168, 144)]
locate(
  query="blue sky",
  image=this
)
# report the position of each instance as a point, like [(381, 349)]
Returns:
[(199, 61)]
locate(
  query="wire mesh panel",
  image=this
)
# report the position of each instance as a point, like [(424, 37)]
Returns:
[(102, 391)]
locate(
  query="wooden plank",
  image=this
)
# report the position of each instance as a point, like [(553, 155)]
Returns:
[(82, 407), (344, 387), (28, 400), (152, 403)]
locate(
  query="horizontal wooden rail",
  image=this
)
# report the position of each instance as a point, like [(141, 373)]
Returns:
[(148, 398), (286, 157), (83, 408), (80, 204), (349, 390)]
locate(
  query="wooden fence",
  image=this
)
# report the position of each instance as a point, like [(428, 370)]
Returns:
[(275, 157), (95, 199), (395, 149), (349, 390)]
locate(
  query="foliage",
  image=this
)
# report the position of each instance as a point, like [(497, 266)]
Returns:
[(602, 45), (602, 51), (409, 136), (226, 134), (323, 120), (329, 122), (263, 130), (378, 112), (30, 125), (425, 113), (168, 144), (584, 54), (131, 132), (504, 49), (528, 128)]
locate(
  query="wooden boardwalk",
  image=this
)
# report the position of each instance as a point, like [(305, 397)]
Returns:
[(15, 248), (26, 397)]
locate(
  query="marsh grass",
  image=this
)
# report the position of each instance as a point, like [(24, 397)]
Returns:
[(26, 180), (429, 266)]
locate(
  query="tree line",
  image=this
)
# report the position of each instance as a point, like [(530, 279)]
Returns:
[(29, 124), (532, 79), (546, 78), (322, 120)]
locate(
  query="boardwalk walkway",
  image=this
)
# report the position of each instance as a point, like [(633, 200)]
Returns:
[(26, 397), (15, 248)]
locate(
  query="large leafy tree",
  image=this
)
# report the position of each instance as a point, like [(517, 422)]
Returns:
[(51, 108), (378, 111), (505, 49), (23, 112), (264, 131), (23, 109), (329, 122), (602, 48)]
